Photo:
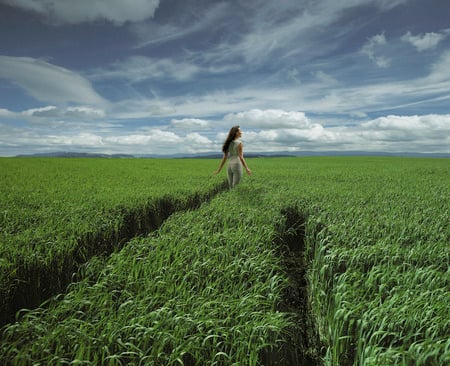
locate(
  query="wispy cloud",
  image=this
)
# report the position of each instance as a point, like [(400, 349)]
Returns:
[(47, 82), (69, 112), (440, 70), (322, 94), (294, 29), (174, 76), (372, 49), (139, 68), (425, 41), (181, 26), (72, 12)]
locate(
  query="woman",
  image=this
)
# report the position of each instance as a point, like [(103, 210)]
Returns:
[(234, 151)]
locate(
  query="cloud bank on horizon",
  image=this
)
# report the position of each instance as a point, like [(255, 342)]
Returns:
[(165, 77)]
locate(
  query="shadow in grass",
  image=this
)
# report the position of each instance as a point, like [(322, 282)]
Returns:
[(33, 285), (301, 346)]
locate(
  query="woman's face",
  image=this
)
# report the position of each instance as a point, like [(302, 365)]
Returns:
[(238, 133)]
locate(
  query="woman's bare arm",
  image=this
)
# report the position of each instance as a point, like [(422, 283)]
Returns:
[(222, 163), (241, 158)]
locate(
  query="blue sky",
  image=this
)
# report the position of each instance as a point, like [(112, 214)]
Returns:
[(172, 76)]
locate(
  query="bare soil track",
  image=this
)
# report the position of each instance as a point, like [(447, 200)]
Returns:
[(33, 286), (302, 346)]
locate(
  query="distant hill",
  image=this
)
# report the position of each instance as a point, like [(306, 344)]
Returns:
[(215, 155), (66, 154), (303, 153)]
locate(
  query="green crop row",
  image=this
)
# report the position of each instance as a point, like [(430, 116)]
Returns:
[(378, 239), (57, 213), (210, 286), (204, 289)]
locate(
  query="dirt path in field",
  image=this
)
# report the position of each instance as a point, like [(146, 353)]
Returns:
[(302, 347), (33, 286)]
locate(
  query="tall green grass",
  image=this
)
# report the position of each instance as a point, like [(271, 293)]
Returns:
[(204, 290), (378, 239), (209, 286), (57, 213)]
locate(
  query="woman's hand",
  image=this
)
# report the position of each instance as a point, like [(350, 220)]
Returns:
[(222, 163)]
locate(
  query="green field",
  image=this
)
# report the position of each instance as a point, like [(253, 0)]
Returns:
[(324, 260)]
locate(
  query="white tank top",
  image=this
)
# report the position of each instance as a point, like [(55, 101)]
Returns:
[(233, 152)]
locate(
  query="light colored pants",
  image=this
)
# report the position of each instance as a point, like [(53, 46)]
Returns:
[(234, 171)]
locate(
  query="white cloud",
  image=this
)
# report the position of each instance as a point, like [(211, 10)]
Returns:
[(158, 141), (48, 111), (278, 130), (358, 114), (372, 47), (84, 112), (51, 117), (427, 133), (189, 123), (72, 12), (83, 139), (78, 112), (47, 82), (157, 138), (289, 28), (270, 118), (397, 127), (440, 71), (325, 78), (196, 139), (424, 41), (388, 94), (291, 137), (5, 113), (416, 133), (323, 94), (31, 140), (268, 54)]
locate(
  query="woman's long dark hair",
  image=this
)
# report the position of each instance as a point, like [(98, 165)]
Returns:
[(231, 136)]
